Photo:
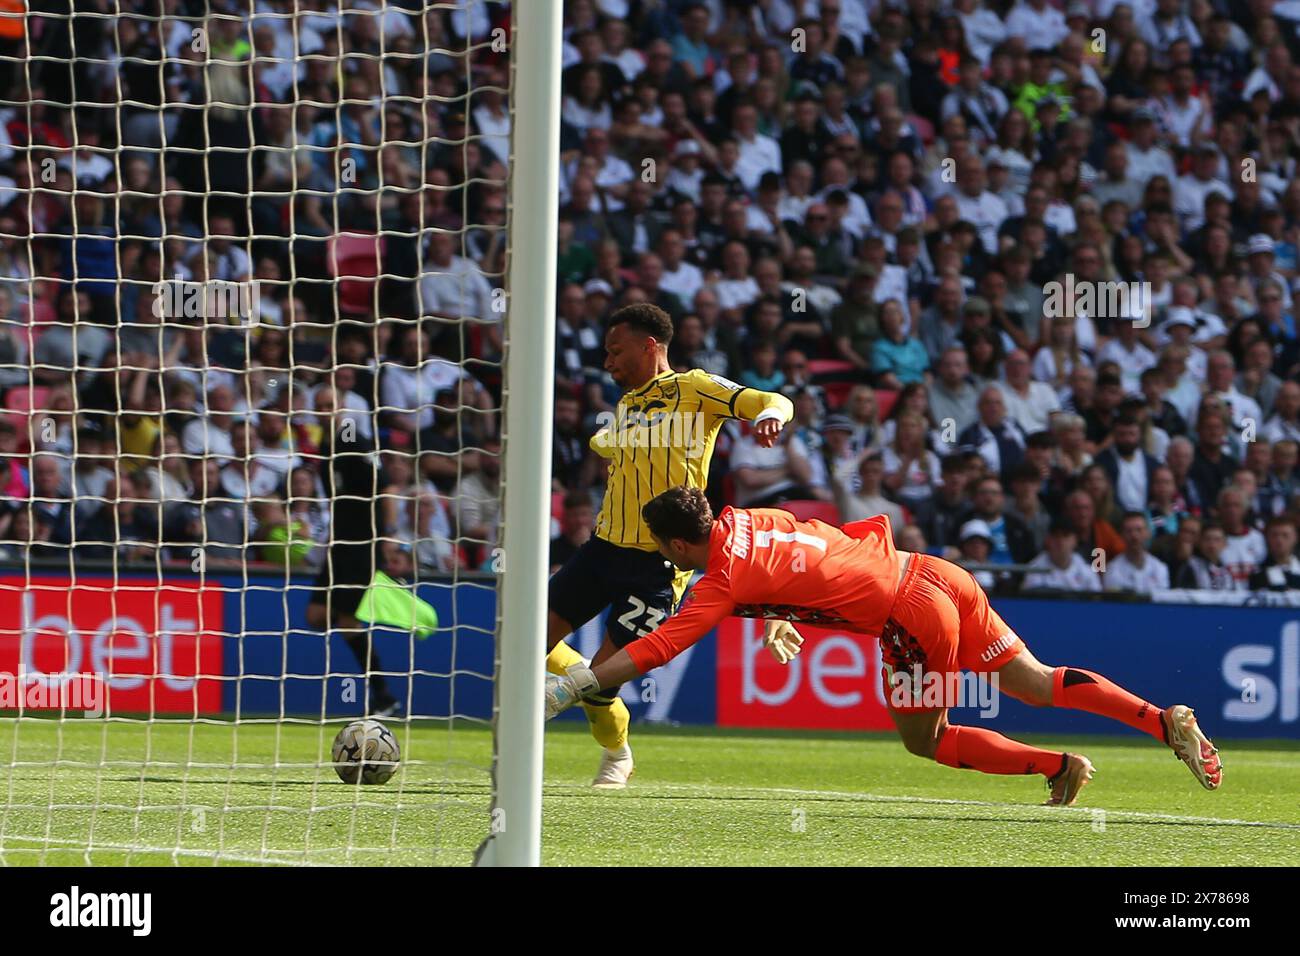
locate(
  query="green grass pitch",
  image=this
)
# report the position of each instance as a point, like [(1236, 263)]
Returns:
[(199, 794)]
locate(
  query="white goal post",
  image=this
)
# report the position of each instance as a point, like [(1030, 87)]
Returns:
[(515, 839)]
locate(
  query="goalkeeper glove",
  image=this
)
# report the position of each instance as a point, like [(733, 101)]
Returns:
[(563, 692), (783, 641)]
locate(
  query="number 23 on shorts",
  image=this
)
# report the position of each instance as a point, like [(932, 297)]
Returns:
[(637, 621)]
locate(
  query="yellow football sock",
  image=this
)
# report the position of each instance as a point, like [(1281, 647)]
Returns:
[(608, 722), (561, 658)]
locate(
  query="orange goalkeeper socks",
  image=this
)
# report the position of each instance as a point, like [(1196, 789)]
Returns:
[(1084, 690), (974, 748)]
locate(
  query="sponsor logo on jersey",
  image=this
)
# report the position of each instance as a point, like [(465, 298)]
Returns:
[(998, 646)]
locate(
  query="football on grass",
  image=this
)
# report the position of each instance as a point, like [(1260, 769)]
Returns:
[(366, 751)]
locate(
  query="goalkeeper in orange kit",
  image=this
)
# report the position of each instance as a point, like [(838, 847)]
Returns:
[(931, 616)]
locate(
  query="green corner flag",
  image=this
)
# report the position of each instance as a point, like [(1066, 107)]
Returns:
[(387, 602)]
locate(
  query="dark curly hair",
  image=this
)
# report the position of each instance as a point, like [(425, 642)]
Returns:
[(646, 318), (679, 513)]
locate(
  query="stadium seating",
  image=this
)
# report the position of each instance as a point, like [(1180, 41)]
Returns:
[(354, 260), (814, 511)]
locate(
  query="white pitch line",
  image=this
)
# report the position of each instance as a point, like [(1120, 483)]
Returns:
[(946, 801), (276, 857), (122, 847)]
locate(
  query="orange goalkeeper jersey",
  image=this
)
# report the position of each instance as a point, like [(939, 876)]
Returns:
[(764, 563)]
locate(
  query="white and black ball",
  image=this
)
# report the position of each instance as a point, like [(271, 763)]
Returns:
[(366, 751)]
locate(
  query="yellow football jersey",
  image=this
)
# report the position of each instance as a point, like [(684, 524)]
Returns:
[(662, 435)]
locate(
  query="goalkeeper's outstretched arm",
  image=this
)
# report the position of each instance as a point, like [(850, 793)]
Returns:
[(707, 604), (562, 692)]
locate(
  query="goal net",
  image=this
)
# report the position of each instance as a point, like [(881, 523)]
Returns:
[(252, 282)]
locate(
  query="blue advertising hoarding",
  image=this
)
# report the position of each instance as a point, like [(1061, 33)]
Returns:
[(1238, 667)]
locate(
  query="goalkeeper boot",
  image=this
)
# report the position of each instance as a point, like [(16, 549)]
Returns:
[(615, 769), (1192, 746), (1076, 770)]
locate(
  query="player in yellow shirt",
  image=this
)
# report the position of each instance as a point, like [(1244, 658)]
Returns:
[(661, 435)]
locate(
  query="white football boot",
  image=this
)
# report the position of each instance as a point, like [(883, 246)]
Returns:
[(1193, 747), (1075, 773), (615, 769)]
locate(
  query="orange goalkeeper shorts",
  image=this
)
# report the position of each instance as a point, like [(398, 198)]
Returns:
[(941, 623)]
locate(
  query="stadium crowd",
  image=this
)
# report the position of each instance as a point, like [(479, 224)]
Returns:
[(863, 204)]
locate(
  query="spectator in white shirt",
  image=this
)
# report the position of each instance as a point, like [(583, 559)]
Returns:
[(980, 102), (1246, 549), (247, 476), (226, 261), (1190, 190), (478, 499), (1281, 571), (1136, 569), (1127, 465), (1209, 329), (1029, 403), (1127, 351), (835, 174), (680, 277), (613, 175), (1285, 421), (1168, 23), (869, 498), (408, 388), (1180, 326), (275, 441), (1038, 23), (452, 286), (470, 19), (1220, 375), (1264, 278), (615, 32), (273, 52), (1190, 118), (736, 288), (87, 163), (687, 174), (1271, 76), (1062, 567), (1146, 157), (759, 154), (983, 28), (767, 476), (210, 435), (976, 204), (491, 116), (343, 397), (850, 16), (798, 195)]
